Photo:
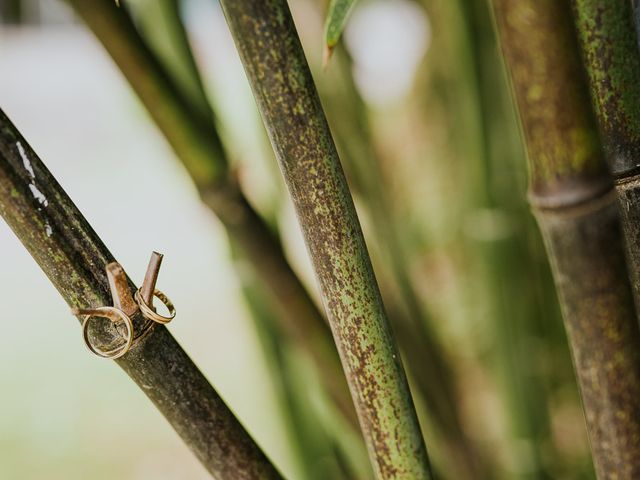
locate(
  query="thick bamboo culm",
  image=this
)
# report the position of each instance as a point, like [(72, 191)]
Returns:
[(277, 70), (610, 50), (190, 131), (572, 195), (73, 257)]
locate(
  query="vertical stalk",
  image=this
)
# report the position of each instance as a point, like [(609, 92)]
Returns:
[(68, 250), (427, 362), (194, 139), (571, 194), (610, 49), (276, 66), (512, 313)]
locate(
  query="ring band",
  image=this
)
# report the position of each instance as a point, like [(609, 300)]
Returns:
[(150, 313), (115, 315)]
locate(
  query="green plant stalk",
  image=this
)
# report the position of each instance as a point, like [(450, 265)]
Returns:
[(275, 64), (571, 193), (160, 24), (312, 439), (195, 141), (73, 257), (512, 314), (426, 361)]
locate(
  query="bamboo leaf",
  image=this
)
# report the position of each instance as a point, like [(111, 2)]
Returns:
[(337, 17)]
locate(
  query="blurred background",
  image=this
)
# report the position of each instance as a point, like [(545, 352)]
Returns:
[(420, 109)]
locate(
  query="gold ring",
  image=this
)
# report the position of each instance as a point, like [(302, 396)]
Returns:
[(115, 315), (150, 313)]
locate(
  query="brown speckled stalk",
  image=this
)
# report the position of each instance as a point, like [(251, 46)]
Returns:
[(73, 257), (575, 205), (192, 135), (277, 69)]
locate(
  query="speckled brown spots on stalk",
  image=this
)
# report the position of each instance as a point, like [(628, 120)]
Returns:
[(276, 66), (74, 258)]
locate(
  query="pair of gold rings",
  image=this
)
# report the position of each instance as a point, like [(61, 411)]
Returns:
[(119, 317), (126, 306)]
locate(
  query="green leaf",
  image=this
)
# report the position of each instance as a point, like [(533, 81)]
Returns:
[(336, 20)]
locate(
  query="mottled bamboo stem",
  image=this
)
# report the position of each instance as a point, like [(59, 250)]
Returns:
[(427, 363), (277, 69), (610, 50), (571, 194), (73, 257), (192, 135)]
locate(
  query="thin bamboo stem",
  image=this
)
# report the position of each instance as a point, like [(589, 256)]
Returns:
[(427, 362), (73, 257), (512, 314), (276, 66), (195, 141), (571, 194)]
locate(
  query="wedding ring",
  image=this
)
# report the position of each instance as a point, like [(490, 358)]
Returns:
[(149, 312), (115, 315)]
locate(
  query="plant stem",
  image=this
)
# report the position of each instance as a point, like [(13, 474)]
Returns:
[(427, 362), (195, 141), (73, 257), (610, 49), (512, 312), (571, 193), (275, 64)]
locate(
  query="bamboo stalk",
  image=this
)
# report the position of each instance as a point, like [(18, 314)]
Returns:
[(73, 257), (427, 362), (512, 311), (609, 46), (275, 64), (160, 24), (571, 194), (194, 139)]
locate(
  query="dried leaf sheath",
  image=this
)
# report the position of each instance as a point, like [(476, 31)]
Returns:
[(572, 196), (287, 99), (68, 250)]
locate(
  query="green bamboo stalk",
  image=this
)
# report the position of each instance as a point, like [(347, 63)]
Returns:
[(276, 66), (426, 361), (571, 194), (195, 141), (160, 24), (73, 257), (512, 311), (609, 46)]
